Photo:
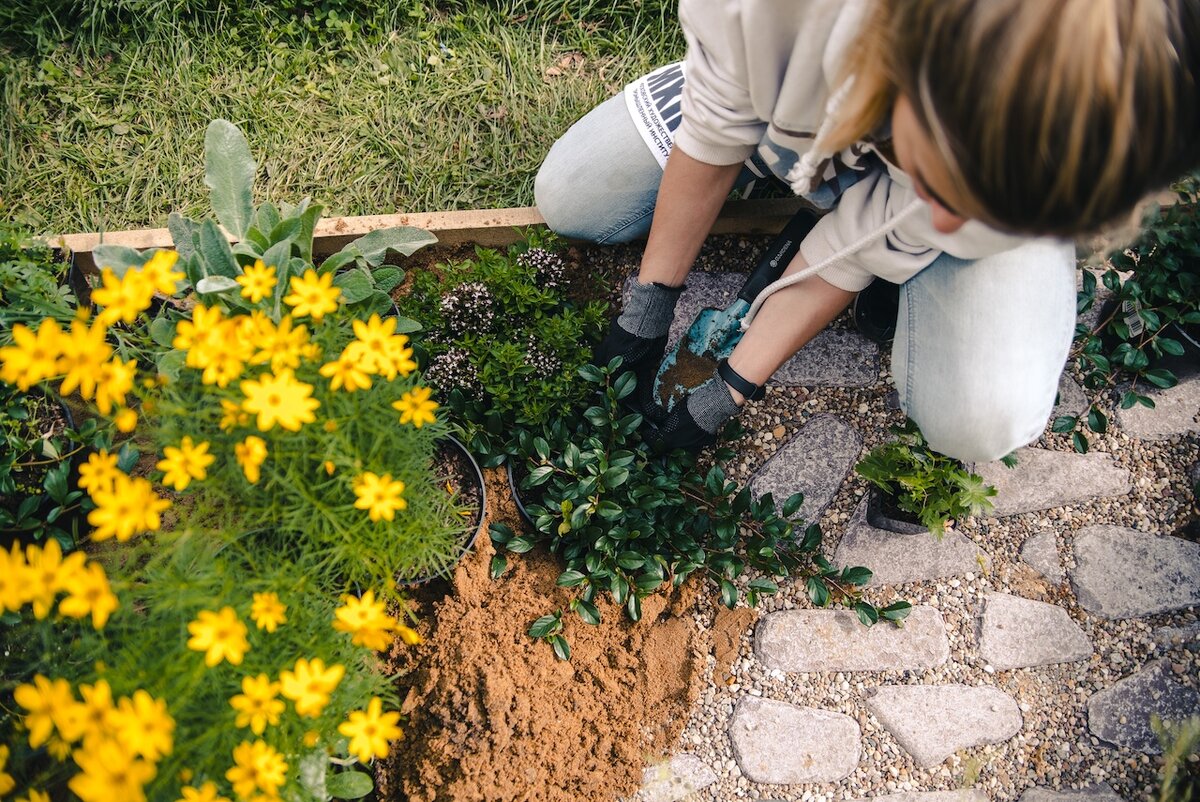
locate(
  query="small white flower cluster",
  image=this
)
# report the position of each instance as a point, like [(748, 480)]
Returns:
[(545, 365), (550, 270), (468, 308), (453, 369)]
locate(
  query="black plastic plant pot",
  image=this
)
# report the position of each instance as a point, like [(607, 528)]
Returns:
[(473, 475), (884, 513), (514, 484)]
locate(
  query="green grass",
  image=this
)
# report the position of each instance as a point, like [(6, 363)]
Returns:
[(450, 110)]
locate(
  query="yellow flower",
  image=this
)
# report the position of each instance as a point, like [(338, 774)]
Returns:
[(267, 611), (280, 345), (84, 352), (221, 352), (251, 453), (125, 420), (313, 295), (220, 635), (309, 685), (379, 495), (190, 332), (34, 796), (279, 399), (371, 348), (110, 773), (160, 274), (205, 793), (257, 704), (15, 588), (183, 464), (257, 766), (329, 467), (7, 783), (43, 700), (369, 731), (401, 355), (90, 594), (144, 726), (345, 373), (123, 298), (99, 472), (311, 738), (232, 416), (98, 710), (366, 619), (126, 509), (257, 280), (33, 356), (113, 380), (59, 749), (416, 407), (407, 635), (47, 573)]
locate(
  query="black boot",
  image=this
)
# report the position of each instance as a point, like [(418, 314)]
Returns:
[(875, 311)]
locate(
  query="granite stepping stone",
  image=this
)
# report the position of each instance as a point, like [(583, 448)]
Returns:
[(834, 358), (775, 742), (895, 559), (1095, 793), (1123, 573), (1120, 715), (965, 795), (1040, 552), (1019, 633), (1045, 479), (815, 462), (1072, 400), (671, 781), (933, 722), (1176, 411), (835, 640)]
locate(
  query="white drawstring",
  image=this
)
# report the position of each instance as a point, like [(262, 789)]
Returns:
[(800, 275)]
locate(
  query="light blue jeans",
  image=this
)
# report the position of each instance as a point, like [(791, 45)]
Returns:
[(979, 345)]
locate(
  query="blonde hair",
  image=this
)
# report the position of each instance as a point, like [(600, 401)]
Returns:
[(1053, 116)]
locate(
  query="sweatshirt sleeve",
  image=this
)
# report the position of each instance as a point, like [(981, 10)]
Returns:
[(901, 253), (719, 124)]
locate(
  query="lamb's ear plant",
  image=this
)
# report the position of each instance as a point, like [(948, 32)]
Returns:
[(627, 523)]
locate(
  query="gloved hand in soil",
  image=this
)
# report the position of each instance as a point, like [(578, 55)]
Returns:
[(695, 420), (639, 337)]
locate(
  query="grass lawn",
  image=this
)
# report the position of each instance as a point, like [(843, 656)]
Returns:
[(439, 109)]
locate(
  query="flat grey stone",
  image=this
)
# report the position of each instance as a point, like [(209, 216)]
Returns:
[(1123, 573), (1091, 318), (814, 462), (966, 795), (673, 780), (1185, 637), (1121, 714), (1072, 400), (1040, 552), (933, 722), (895, 559), (1176, 411), (775, 742), (833, 358), (1018, 633), (835, 640), (1046, 479), (1095, 793), (716, 290)]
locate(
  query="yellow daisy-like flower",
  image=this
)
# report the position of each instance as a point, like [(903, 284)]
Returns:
[(309, 684), (409, 636), (232, 416), (251, 453), (257, 280), (15, 589), (160, 273), (183, 464), (47, 572), (98, 710), (43, 700), (416, 407), (123, 298), (84, 352), (345, 373), (144, 726), (33, 356), (190, 332), (380, 496), (279, 398), (313, 295), (113, 381), (372, 345), (366, 620), (99, 472), (205, 793), (220, 635), (267, 611), (257, 767), (257, 705), (108, 772), (90, 594), (33, 795), (7, 783), (125, 420), (283, 345), (370, 730), (128, 508)]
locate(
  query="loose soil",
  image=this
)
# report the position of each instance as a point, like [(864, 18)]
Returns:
[(492, 714), (689, 372)]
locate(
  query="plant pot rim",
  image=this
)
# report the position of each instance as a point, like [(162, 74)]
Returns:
[(877, 518), (516, 492)]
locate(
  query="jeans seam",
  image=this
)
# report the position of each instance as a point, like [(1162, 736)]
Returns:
[(911, 347), (623, 224)]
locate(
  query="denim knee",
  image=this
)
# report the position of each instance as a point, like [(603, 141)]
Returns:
[(985, 425)]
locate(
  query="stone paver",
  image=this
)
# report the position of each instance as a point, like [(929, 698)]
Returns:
[(834, 358), (1176, 411), (933, 722), (814, 462), (671, 781), (1072, 400), (1040, 552), (1095, 793), (1123, 573), (1045, 479), (895, 559), (775, 742), (1019, 633), (1120, 715), (835, 640), (966, 795)]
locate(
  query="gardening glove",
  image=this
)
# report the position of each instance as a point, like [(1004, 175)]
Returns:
[(694, 422), (639, 337)]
